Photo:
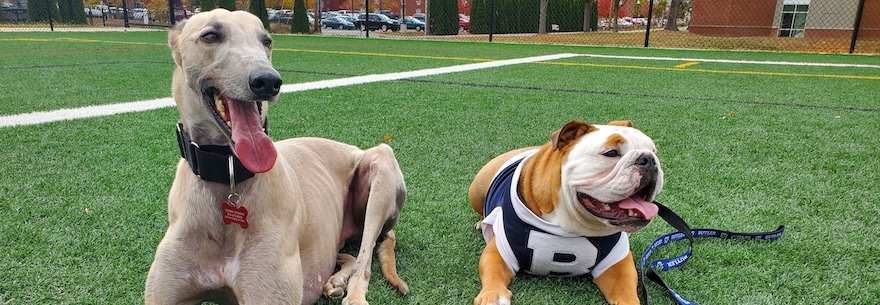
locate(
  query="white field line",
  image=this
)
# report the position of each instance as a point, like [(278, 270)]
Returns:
[(40, 117), (730, 61)]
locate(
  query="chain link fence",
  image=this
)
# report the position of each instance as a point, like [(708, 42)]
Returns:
[(832, 26)]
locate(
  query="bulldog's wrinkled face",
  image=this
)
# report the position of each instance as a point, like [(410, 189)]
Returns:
[(609, 180), (223, 82)]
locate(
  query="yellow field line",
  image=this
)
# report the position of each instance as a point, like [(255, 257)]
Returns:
[(677, 69), (386, 55), (79, 40), (687, 64)]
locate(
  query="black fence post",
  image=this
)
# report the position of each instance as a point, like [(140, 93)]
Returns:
[(366, 24), (856, 26), (125, 13), (491, 18), (650, 18), (49, 12), (171, 11)]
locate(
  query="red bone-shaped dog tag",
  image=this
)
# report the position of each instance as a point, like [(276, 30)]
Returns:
[(235, 214)]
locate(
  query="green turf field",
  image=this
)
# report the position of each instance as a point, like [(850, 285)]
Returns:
[(745, 147)]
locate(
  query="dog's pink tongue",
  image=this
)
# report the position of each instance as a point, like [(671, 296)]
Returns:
[(252, 146), (637, 203)]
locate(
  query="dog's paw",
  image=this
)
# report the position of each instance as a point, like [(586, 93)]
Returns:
[(354, 301), (494, 297), (335, 288)]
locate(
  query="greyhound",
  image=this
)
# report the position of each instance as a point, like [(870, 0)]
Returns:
[(252, 221)]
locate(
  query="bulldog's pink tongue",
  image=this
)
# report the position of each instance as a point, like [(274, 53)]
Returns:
[(649, 210), (252, 146)]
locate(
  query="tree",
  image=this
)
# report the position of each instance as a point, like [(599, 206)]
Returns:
[(616, 14), (299, 22), (672, 18), (258, 7), (443, 17), (208, 5), (542, 17), (591, 15), (39, 10), (71, 11), (227, 4)]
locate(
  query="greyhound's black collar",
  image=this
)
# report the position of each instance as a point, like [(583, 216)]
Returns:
[(211, 162)]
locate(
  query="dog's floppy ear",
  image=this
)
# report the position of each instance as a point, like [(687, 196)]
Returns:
[(173, 39), (571, 131), (626, 123)]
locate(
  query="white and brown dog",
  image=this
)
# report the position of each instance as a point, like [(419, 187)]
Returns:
[(252, 221), (565, 209)]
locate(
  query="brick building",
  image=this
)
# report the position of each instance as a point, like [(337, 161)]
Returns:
[(784, 18)]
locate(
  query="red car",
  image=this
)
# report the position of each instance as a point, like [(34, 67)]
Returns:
[(463, 24)]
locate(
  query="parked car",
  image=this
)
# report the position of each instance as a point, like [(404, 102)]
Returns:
[(463, 24), (139, 13), (327, 15), (420, 16), (284, 16), (376, 22), (413, 23), (347, 18), (390, 14), (337, 23)]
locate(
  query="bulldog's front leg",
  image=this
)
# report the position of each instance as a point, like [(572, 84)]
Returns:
[(495, 277), (619, 282)]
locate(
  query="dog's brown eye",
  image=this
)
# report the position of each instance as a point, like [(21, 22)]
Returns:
[(611, 153), (267, 43), (211, 37)]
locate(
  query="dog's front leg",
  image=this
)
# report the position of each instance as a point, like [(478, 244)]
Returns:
[(260, 282), (495, 277), (619, 282)]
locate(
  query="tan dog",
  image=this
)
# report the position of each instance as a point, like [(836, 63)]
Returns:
[(565, 209), (257, 222)]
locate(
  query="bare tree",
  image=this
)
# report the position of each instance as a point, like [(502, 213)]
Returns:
[(588, 13), (616, 14), (672, 18), (542, 18)]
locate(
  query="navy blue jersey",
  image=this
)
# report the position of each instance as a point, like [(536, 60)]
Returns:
[(535, 246)]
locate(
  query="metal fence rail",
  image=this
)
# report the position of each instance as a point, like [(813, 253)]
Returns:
[(832, 26)]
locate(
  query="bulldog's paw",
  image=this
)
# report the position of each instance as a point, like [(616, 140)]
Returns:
[(494, 297)]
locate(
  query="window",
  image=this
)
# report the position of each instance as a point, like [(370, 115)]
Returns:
[(794, 18)]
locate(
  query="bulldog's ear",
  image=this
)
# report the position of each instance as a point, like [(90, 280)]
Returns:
[(570, 132), (626, 123), (173, 38)]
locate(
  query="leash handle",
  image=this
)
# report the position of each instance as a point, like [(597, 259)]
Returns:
[(685, 232)]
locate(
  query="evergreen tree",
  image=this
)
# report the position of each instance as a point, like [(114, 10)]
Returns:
[(299, 22), (208, 5), (444, 15), (258, 7), (227, 4), (71, 11), (38, 11)]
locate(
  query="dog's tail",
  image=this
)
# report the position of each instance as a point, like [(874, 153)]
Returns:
[(389, 263)]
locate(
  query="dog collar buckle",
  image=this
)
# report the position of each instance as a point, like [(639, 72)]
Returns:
[(209, 162)]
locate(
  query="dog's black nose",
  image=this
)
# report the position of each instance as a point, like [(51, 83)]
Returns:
[(646, 161), (265, 84)]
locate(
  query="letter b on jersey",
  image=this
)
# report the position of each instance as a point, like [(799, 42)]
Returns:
[(561, 256)]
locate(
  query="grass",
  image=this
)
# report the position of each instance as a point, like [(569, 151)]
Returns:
[(744, 148)]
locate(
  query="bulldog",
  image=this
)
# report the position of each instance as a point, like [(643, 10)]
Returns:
[(566, 208)]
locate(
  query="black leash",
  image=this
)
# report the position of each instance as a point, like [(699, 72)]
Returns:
[(685, 231)]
